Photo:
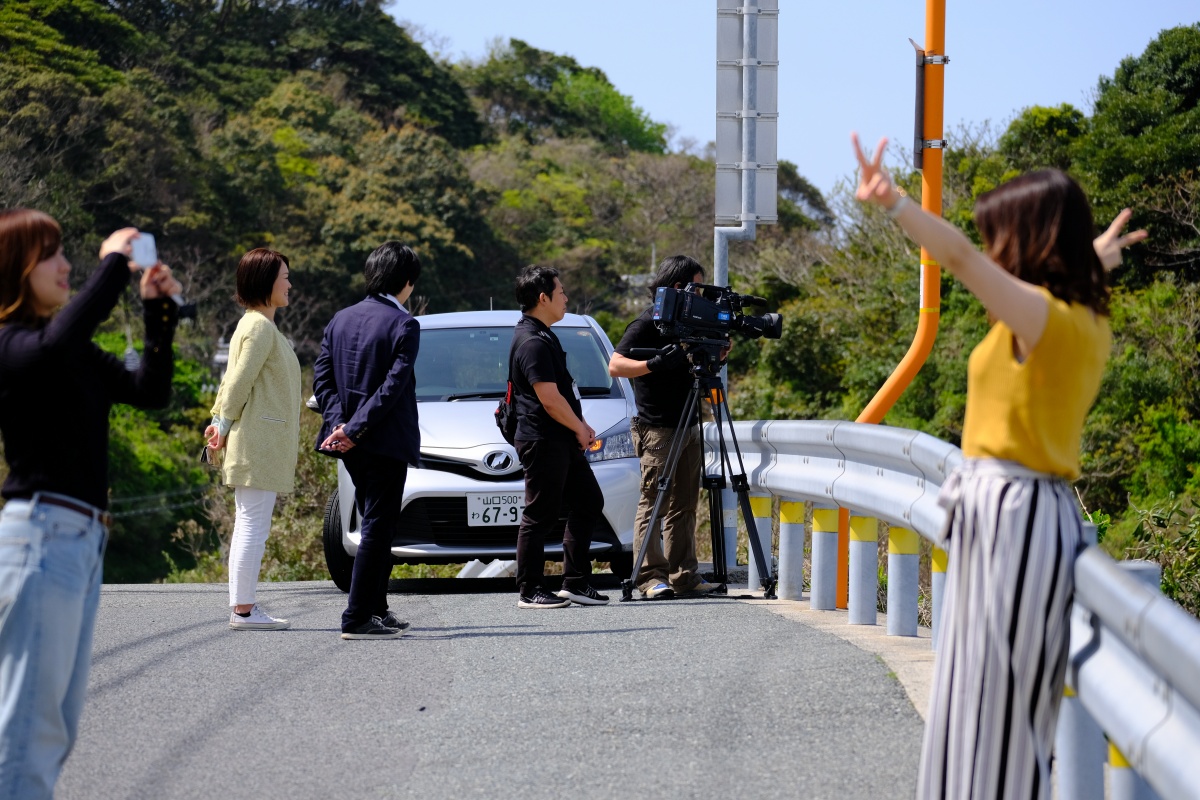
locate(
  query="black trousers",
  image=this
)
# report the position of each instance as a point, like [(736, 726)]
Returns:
[(556, 472), (379, 484)]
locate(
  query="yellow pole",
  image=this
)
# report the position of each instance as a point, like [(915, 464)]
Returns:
[(931, 273)]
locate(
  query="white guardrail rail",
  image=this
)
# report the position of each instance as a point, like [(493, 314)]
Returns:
[(1134, 670)]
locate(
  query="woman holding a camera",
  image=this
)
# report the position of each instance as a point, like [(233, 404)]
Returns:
[(256, 419), (56, 389)]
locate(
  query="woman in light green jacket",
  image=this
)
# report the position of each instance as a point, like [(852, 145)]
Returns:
[(256, 419)]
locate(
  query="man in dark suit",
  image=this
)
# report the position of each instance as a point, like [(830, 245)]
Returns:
[(363, 381)]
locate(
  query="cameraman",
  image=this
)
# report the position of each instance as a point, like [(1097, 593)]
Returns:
[(660, 388)]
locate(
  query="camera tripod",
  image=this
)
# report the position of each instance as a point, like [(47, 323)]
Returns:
[(706, 383)]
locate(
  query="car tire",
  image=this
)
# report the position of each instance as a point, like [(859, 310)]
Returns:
[(337, 560)]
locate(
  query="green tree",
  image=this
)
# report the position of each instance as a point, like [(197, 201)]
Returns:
[(1144, 137), (521, 89), (1042, 137)]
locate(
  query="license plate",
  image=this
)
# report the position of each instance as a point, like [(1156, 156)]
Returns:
[(494, 509)]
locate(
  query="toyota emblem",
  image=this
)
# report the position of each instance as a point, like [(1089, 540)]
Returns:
[(498, 461)]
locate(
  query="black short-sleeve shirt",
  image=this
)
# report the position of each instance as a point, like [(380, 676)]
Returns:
[(538, 357), (661, 396)]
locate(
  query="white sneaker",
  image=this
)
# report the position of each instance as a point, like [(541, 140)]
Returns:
[(257, 621)]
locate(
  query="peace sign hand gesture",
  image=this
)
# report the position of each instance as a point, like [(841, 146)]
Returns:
[(874, 183)]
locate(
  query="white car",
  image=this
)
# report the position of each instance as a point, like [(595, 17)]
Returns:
[(464, 500)]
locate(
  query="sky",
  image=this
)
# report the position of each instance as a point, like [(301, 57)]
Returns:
[(843, 65)]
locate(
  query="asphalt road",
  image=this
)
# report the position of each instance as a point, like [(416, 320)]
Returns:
[(679, 699)]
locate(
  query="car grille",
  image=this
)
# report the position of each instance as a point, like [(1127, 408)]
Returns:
[(443, 521), (468, 470)]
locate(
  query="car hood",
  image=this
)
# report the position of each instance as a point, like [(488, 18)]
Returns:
[(455, 429)]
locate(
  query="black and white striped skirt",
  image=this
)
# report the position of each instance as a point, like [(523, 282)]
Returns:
[(1012, 538)]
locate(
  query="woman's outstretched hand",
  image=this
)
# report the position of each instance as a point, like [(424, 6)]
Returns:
[(874, 183), (1110, 243)]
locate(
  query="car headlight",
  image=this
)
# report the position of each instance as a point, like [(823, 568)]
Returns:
[(616, 442)]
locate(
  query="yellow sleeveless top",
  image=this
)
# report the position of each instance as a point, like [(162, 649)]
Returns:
[(1032, 412)]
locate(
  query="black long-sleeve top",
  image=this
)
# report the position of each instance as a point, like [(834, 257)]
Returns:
[(57, 386)]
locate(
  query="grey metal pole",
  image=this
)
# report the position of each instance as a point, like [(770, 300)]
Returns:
[(760, 505), (1078, 741), (729, 509), (748, 167), (1124, 782), (904, 562), (791, 550), (937, 591), (823, 576), (864, 570)]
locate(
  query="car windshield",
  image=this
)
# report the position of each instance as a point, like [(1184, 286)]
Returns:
[(472, 363)]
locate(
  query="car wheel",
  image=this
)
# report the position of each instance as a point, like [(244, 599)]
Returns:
[(339, 562), (621, 564)]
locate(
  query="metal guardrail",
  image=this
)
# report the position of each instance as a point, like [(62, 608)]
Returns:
[(1135, 655)]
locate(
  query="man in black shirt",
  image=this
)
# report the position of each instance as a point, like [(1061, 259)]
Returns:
[(551, 438), (660, 388)]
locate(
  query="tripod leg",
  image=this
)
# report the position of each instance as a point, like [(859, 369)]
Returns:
[(742, 488), (767, 575), (714, 484)]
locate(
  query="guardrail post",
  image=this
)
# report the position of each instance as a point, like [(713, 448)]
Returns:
[(823, 577), (760, 507), (864, 570), (1123, 781), (791, 550), (904, 563), (1079, 751), (937, 590), (1078, 740), (729, 510)]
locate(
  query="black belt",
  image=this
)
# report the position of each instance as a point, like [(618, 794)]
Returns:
[(79, 507)]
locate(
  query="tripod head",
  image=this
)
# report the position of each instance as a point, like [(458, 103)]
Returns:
[(704, 356)]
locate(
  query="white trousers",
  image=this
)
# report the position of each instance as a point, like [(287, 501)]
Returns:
[(251, 525)]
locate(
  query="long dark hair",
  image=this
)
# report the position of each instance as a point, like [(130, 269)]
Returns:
[(1039, 227), (27, 237)]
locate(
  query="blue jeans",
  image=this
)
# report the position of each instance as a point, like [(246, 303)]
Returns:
[(51, 567)]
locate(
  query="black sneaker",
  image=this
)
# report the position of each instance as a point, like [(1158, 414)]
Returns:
[(373, 629), (392, 621), (541, 599), (586, 596)]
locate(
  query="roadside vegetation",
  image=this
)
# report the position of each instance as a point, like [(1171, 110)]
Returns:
[(322, 127)]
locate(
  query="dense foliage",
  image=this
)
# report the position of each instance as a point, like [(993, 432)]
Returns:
[(321, 128)]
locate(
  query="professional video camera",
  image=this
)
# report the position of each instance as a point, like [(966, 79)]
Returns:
[(700, 312)]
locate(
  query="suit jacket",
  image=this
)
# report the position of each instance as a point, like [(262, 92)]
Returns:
[(364, 379)]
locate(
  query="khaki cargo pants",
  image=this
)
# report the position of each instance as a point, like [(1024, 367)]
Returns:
[(671, 557)]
